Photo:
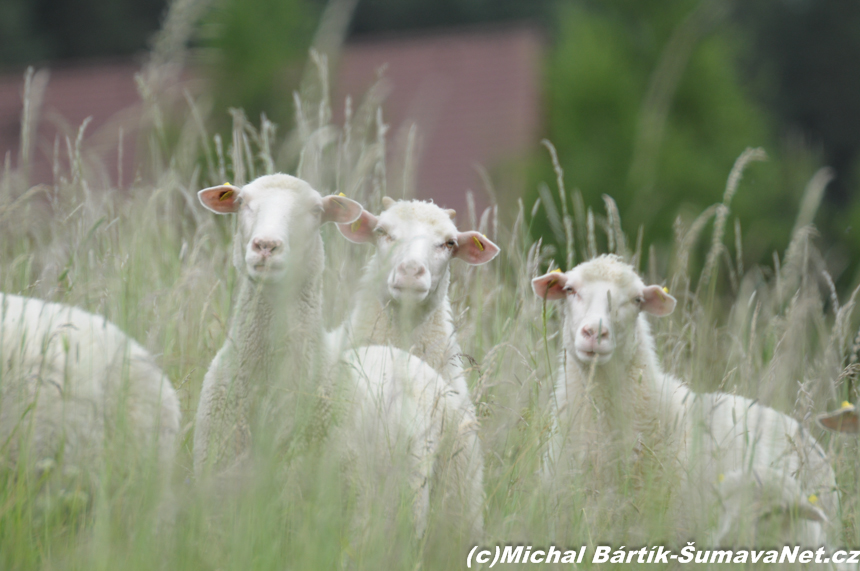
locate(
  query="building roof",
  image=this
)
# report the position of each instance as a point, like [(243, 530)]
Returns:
[(472, 94), (106, 92)]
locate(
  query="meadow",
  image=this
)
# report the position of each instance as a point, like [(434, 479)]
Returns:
[(148, 257)]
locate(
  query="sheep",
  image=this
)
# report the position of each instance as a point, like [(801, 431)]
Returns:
[(403, 302), (613, 400), (276, 325), (275, 338), (77, 394)]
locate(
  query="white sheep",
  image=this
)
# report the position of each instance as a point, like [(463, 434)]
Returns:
[(615, 405), (274, 344), (76, 394), (403, 302), (276, 338)]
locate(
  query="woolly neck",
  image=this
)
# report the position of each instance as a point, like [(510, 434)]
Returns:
[(620, 399), (424, 329), (274, 323)]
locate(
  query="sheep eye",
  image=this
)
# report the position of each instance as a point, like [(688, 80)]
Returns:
[(639, 300), (451, 244), (569, 290)]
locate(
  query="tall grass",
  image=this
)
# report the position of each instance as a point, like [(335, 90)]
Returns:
[(149, 258)]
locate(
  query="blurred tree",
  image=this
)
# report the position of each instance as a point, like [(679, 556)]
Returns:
[(20, 39), (89, 28), (644, 104), (34, 31), (805, 65), (254, 52)]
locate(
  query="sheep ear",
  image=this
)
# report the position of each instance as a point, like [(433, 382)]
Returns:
[(221, 199), (475, 248), (387, 202), (361, 230), (340, 209), (806, 510), (844, 420), (657, 301), (550, 286), (452, 214)]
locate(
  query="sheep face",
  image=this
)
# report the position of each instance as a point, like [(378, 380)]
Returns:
[(603, 298), (279, 216), (415, 242)]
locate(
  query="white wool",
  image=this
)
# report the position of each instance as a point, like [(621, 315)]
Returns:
[(415, 232), (614, 403), (69, 381), (392, 432), (275, 338)]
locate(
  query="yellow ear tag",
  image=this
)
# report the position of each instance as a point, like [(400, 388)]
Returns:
[(356, 225), (813, 499), (225, 196), (341, 194), (478, 243), (665, 289), (846, 404), (227, 184), (551, 283), (556, 271)]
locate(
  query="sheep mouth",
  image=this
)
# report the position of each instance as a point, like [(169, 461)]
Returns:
[(408, 293), (267, 270), (600, 355)]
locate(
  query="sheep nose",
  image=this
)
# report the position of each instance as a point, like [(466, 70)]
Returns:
[(266, 246), (591, 332), (411, 269)]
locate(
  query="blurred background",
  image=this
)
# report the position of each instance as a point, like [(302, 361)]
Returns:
[(648, 101)]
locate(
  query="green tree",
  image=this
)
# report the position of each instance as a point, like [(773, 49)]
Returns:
[(644, 104), (806, 67), (254, 52), (20, 40)]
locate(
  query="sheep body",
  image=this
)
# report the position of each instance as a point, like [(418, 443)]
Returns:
[(615, 404), (275, 343), (73, 385), (397, 408)]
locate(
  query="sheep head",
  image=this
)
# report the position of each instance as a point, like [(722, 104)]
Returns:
[(415, 242), (603, 298), (279, 216)]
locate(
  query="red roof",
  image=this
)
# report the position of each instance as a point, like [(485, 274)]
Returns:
[(474, 96), (101, 91)]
